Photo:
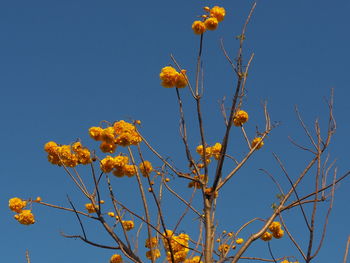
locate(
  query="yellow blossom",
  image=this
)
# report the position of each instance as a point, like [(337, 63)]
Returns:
[(91, 208), (151, 242), (206, 9), (275, 226), (154, 253), (215, 150), (95, 133), (128, 225), (146, 168), (120, 161), (181, 79), (211, 23), (107, 164), (257, 141), (25, 217), (84, 156), (123, 126), (240, 118), (50, 147), (108, 135), (17, 204), (76, 146), (239, 241), (111, 214), (168, 76), (278, 234), (128, 138), (129, 170), (198, 27), (223, 248), (267, 236), (116, 258), (218, 12), (119, 171), (200, 150)]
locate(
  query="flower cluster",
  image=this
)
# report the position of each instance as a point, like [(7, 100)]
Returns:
[(276, 229), (67, 155), (122, 133), (179, 245), (257, 141), (224, 248), (152, 244), (210, 151), (209, 21), (240, 118), (146, 168), (286, 261), (24, 217), (116, 258), (119, 165), (128, 224), (91, 208), (171, 78)]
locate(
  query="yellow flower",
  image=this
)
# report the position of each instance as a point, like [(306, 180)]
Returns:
[(257, 141), (50, 147), (123, 126), (146, 168), (215, 150), (107, 164), (91, 208), (206, 9), (120, 161), (95, 133), (151, 242), (168, 76), (128, 138), (181, 79), (218, 12), (267, 236), (108, 135), (200, 150), (240, 118), (198, 27), (128, 225), (211, 23), (279, 234), (116, 258), (155, 253), (107, 147), (275, 226), (129, 170), (76, 146), (119, 171), (239, 241), (111, 214), (84, 156), (17, 204), (25, 217), (223, 248)]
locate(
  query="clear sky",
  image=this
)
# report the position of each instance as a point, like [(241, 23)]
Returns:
[(67, 65)]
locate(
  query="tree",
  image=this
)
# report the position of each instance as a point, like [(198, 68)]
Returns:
[(207, 172)]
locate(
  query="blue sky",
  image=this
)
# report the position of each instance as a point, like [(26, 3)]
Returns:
[(67, 65)]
